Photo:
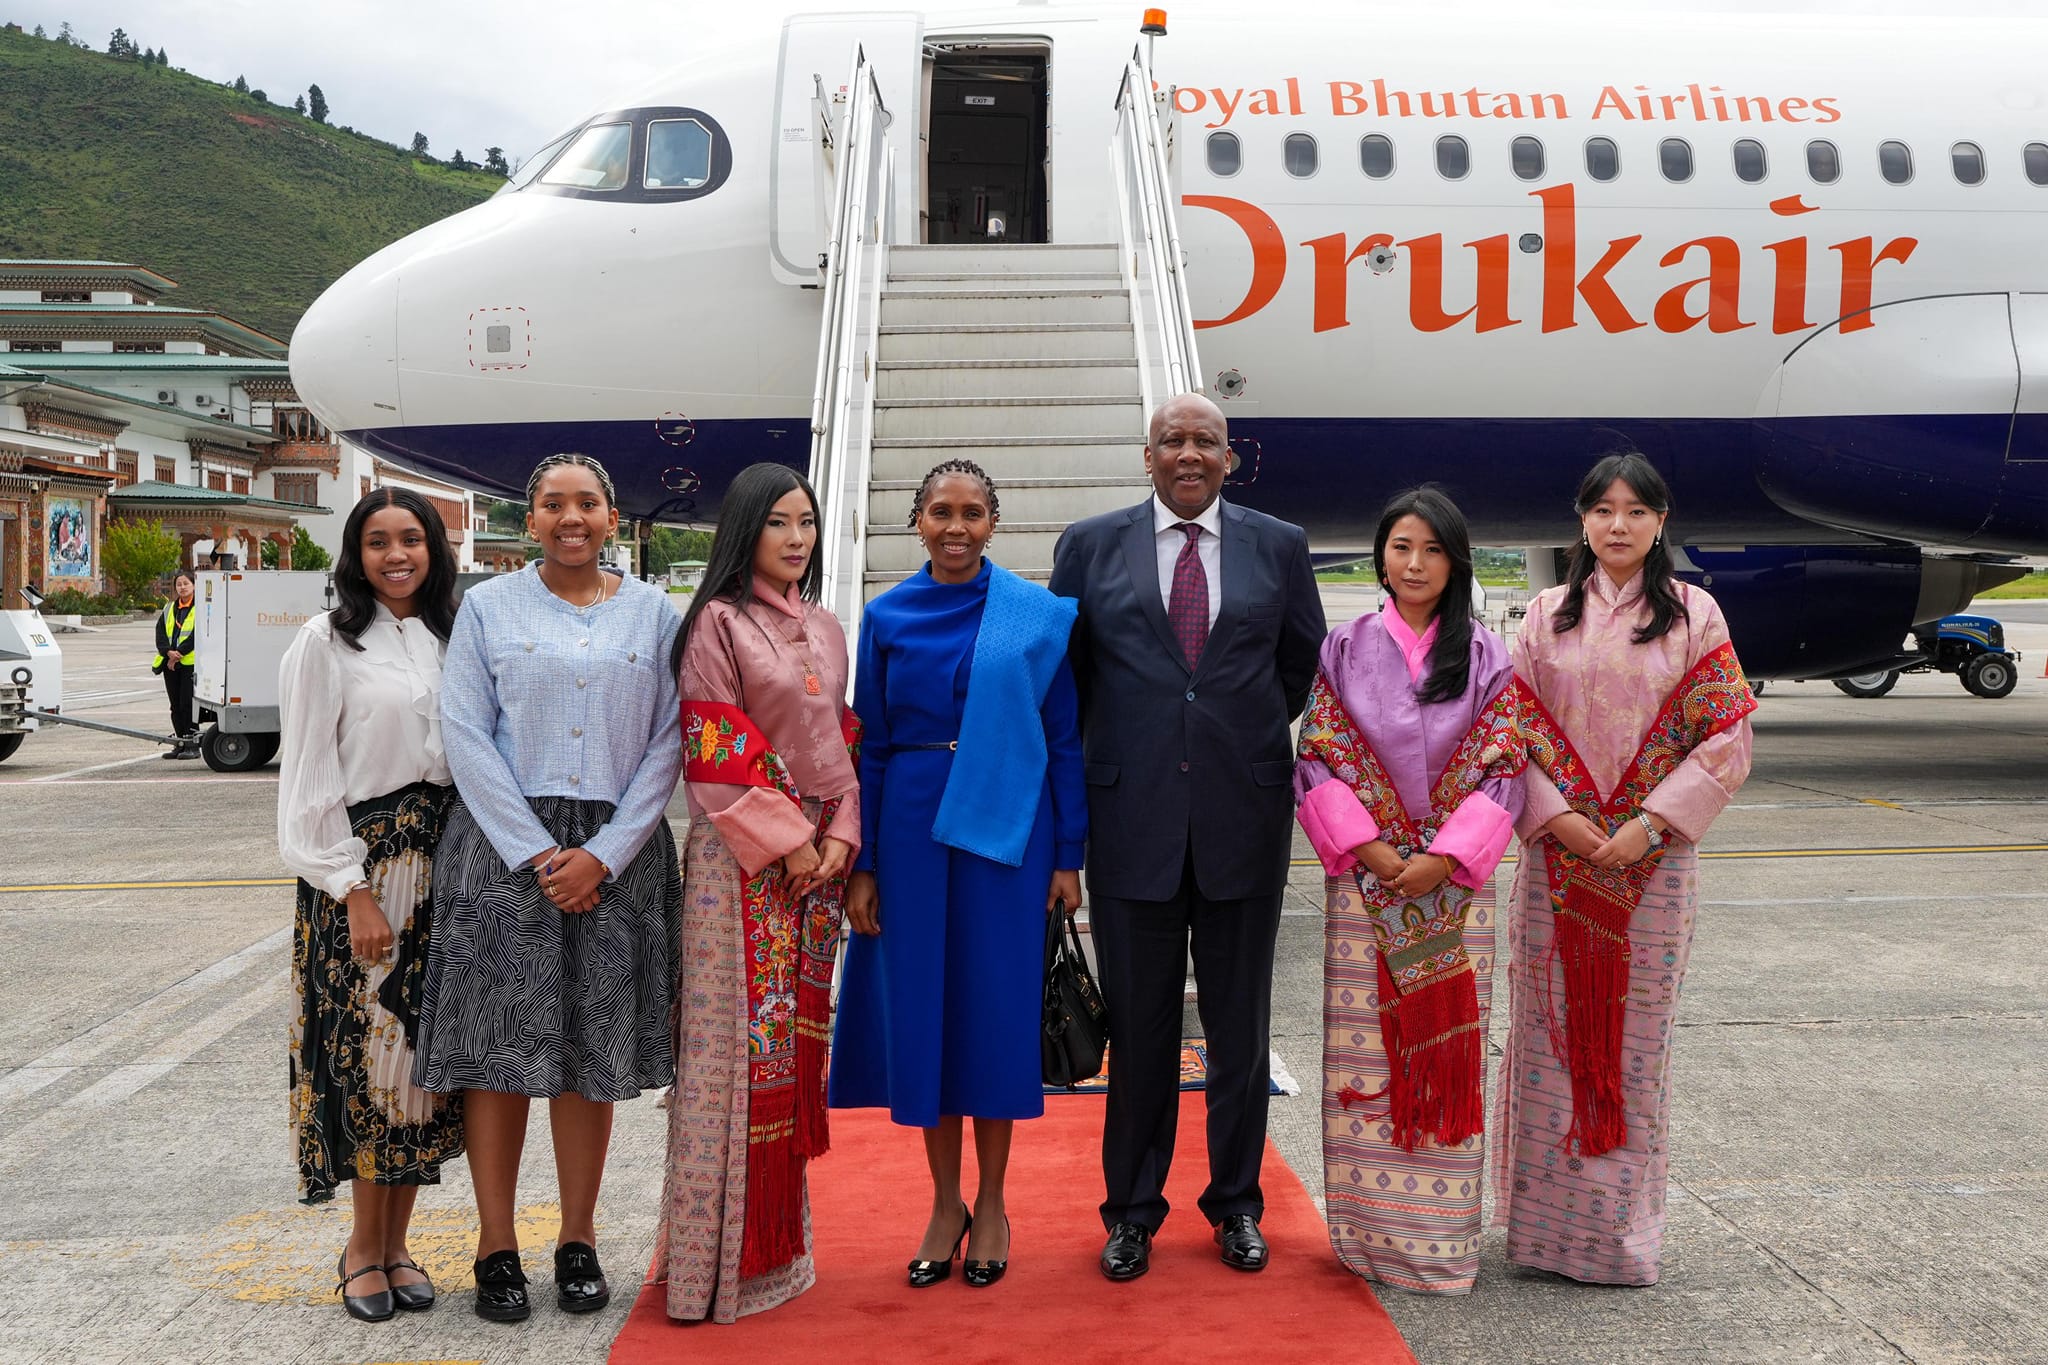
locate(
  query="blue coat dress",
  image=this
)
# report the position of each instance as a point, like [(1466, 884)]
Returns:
[(938, 1015)]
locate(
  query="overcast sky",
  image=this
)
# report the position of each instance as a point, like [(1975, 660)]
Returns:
[(511, 73)]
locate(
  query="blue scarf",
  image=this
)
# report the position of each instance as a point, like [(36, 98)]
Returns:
[(991, 797)]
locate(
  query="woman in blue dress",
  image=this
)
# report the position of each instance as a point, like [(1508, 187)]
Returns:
[(974, 823)]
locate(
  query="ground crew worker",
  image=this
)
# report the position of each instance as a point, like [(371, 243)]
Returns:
[(174, 658)]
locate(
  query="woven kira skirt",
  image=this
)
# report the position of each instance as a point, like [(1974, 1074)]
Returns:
[(527, 1000)]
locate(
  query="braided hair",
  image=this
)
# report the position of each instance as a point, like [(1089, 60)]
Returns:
[(972, 471), (540, 470)]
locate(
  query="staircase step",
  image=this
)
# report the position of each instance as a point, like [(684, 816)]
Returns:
[(1096, 256), (992, 379), (941, 342), (968, 310), (1058, 458), (962, 418), (1018, 279)]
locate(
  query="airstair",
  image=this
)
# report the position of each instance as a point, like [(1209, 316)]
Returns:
[(1037, 362)]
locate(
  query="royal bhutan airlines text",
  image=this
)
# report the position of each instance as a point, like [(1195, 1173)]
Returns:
[(1696, 103)]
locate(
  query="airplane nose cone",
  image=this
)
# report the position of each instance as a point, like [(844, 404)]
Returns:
[(344, 351)]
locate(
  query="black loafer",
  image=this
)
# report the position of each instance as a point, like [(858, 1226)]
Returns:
[(501, 1288), (1128, 1252), (411, 1298), (1244, 1246), (362, 1307), (579, 1280)]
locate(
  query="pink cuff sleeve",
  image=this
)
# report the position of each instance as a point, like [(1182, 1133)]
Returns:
[(1335, 823), (1474, 838), (1544, 804), (760, 827)]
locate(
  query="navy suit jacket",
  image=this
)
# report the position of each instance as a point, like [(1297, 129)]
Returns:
[(1178, 759)]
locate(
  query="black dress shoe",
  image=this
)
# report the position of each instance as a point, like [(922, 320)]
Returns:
[(413, 1298), (501, 1288), (925, 1274), (1128, 1252), (1244, 1246), (579, 1280), (362, 1307), (982, 1274)]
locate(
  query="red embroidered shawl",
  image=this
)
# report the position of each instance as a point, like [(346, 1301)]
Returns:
[(1429, 1003), (1593, 905), (790, 943)]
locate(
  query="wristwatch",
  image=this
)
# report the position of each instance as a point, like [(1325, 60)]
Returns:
[(1656, 836)]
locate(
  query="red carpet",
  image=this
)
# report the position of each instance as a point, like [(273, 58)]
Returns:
[(870, 1197)]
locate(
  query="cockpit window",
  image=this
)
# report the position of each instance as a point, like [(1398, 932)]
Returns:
[(597, 160), (678, 154), (534, 165)]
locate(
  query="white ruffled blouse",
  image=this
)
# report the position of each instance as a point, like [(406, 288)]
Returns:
[(357, 724)]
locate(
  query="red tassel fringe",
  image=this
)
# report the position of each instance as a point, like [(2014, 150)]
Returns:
[(773, 1235), (1595, 952), (1433, 1059), (814, 1007)]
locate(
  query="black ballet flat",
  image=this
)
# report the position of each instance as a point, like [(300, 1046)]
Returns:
[(925, 1274), (982, 1274), (362, 1307), (501, 1288), (412, 1298)]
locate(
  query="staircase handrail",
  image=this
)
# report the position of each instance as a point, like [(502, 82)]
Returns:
[(1151, 258)]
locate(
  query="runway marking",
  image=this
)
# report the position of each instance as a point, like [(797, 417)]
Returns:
[(1873, 801), (96, 768), (153, 886), (133, 1023), (139, 781), (123, 1081)]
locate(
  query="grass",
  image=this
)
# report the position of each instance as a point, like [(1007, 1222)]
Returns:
[(252, 208), (2034, 584), (1365, 576)]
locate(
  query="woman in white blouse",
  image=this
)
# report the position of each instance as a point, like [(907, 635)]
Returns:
[(362, 793)]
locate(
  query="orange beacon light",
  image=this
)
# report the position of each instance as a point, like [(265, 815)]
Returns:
[(1155, 23)]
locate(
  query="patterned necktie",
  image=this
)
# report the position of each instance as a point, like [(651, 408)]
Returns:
[(1188, 608)]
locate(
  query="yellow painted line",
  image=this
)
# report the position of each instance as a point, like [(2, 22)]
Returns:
[(1888, 805), (152, 886)]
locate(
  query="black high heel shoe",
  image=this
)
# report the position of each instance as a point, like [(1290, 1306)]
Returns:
[(925, 1274), (982, 1274), (362, 1307)]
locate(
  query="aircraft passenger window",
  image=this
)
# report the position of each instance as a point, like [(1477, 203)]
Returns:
[(596, 160), (1376, 155), (1526, 153), (1226, 157), (1823, 163), (1750, 163), (1968, 160), (1895, 162), (1603, 158), (1299, 152), (533, 165), (1674, 157), (678, 154), (1453, 158), (2037, 162)]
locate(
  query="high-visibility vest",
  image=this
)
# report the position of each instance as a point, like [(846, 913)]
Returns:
[(171, 631)]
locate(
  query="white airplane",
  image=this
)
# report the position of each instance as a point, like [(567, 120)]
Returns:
[(1799, 262)]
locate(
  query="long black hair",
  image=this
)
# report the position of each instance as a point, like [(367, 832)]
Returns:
[(1660, 587), (729, 572), (355, 601), (1450, 657)]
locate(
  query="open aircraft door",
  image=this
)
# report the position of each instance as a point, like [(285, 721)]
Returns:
[(811, 71)]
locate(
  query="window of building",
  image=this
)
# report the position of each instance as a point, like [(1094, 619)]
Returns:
[(1603, 158), (366, 486), (301, 490), (1299, 155), (1525, 154), (1823, 162), (239, 483), (126, 467), (67, 296), (1226, 154), (2037, 162), (34, 347), (1895, 162), (1967, 160), (1751, 162), (217, 480), (678, 154), (138, 348), (297, 424), (596, 160), (1376, 155), (1453, 158), (1674, 158), (166, 470)]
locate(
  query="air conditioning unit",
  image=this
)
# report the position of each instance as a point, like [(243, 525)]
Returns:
[(204, 400), (166, 395)]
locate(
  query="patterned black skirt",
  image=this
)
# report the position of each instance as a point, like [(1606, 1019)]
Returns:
[(525, 999), (356, 1111)]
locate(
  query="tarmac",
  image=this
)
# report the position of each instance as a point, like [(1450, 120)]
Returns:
[(1858, 1169)]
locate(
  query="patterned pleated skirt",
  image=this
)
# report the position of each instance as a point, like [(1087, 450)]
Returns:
[(527, 1000), (356, 1112)]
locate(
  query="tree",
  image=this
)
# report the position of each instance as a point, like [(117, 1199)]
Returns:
[(316, 104), (163, 58), (299, 105), (40, 33), (419, 144), (64, 32), (259, 96), (306, 552), (494, 161), (458, 162), (120, 45), (241, 86), (138, 553)]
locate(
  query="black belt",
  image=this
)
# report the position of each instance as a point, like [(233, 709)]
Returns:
[(942, 744)]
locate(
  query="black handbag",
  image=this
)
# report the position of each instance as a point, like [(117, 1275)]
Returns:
[(1076, 1023)]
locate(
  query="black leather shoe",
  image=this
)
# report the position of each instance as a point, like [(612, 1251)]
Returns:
[(925, 1274), (362, 1307), (982, 1274), (501, 1288), (579, 1280), (1128, 1252), (413, 1298), (1244, 1246)]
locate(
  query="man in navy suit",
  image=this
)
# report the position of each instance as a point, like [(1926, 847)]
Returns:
[(1197, 643)]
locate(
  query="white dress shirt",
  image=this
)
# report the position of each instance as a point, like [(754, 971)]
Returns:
[(357, 724), (1168, 539)]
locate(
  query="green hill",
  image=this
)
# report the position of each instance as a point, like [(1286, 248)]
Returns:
[(252, 208)]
